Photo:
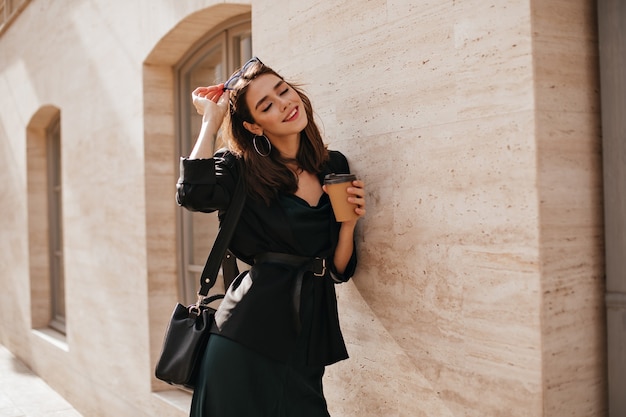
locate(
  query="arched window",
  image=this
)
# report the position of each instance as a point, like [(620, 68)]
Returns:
[(55, 227), (211, 62), (45, 220)]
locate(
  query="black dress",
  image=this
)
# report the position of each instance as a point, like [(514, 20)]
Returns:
[(259, 310), (238, 381)]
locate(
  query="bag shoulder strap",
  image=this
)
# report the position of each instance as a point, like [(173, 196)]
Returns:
[(225, 233)]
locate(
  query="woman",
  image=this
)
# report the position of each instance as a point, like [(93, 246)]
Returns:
[(277, 327)]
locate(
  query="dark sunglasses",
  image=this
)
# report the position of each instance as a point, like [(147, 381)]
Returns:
[(230, 83)]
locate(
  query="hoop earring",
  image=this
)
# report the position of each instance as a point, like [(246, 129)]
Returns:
[(256, 147)]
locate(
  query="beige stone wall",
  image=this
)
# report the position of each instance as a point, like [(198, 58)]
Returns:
[(569, 157), (474, 124)]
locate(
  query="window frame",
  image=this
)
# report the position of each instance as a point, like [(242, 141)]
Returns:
[(55, 226)]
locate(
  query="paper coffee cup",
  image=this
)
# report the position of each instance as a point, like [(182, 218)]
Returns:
[(336, 186)]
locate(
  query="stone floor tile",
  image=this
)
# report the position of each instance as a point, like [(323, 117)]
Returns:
[(24, 394)]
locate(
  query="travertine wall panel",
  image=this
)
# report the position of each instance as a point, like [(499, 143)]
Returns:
[(570, 189), (440, 121)]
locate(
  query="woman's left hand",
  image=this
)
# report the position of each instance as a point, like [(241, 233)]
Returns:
[(356, 195), (345, 243)]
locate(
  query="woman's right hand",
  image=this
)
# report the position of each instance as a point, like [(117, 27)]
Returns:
[(211, 102)]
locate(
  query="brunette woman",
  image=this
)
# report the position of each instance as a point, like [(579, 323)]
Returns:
[(277, 327)]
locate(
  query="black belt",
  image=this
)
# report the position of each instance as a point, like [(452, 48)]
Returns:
[(305, 264)]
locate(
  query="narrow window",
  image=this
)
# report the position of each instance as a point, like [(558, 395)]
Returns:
[(55, 227)]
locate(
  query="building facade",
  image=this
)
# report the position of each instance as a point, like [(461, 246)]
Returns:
[(475, 124)]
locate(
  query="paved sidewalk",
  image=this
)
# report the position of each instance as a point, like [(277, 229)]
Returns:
[(23, 394)]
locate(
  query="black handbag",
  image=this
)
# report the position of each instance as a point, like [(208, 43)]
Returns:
[(189, 328)]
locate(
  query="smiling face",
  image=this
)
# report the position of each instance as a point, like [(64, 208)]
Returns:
[(276, 108)]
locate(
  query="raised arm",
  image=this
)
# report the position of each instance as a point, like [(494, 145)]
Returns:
[(206, 180), (211, 102)]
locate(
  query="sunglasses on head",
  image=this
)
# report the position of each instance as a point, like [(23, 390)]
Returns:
[(230, 83)]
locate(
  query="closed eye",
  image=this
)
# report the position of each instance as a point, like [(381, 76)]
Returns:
[(282, 93), (269, 104)]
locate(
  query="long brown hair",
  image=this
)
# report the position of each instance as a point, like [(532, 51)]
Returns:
[(267, 175)]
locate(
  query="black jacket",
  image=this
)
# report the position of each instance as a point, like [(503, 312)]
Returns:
[(258, 308)]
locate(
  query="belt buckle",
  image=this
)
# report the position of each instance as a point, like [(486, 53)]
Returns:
[(323, 272)]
